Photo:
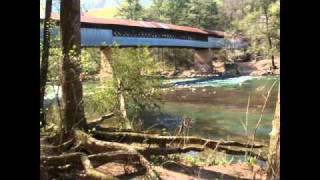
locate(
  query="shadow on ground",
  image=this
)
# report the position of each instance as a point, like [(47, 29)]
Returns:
[(199, 173)]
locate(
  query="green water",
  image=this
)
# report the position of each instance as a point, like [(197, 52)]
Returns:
[(218, 107)]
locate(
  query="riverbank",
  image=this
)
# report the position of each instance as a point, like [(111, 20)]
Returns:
[(173, 171), (217, 108), (223, 70), (258, 68), (226, 172), (217, 105)]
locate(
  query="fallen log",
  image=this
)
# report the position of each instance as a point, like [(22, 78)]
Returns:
[(130, 137)]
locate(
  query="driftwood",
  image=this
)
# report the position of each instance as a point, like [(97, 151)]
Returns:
[(130, 137)]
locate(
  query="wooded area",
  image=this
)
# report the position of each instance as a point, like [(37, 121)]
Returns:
[(74, 146)]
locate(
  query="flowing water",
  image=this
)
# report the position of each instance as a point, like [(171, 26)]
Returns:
[(218, 107)]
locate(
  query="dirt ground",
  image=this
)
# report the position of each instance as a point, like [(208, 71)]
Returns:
[(175, 171)]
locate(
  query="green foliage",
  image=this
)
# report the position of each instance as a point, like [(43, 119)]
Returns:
[(174, 157), (155, 160), (155, 11), (202, 14), (90, 57), (130, 9), (175, 11), (100, 100), (218, 159), (230, 11), (167, 11), (137, 71), (212, 159), (90, 64), (55, 58), (251, 160), (261, 22), (192, 160), (90, 61)]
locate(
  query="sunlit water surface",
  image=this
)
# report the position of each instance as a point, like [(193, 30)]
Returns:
[(218, 107)]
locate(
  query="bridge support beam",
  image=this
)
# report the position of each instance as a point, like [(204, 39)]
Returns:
[(203, 60), (105, 68)]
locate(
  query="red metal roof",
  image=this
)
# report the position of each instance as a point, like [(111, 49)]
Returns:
[(143, 24)]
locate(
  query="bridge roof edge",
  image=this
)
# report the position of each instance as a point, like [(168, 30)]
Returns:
[(132, 23)]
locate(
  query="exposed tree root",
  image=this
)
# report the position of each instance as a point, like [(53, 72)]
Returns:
[(100, 120), (165, 151), (241, 152), (113, 129), (60, 160), (102, 158), (93, 145), (62, 147), (91, 172), (98, 159), (157, 139), (102, 151), (75, 158)]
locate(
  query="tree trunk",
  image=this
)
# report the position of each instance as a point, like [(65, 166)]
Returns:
[(269, 38), (122, 105), (120, 89), (73, 114), (44, 59), (122, 100), (173, 55), (273, 171)]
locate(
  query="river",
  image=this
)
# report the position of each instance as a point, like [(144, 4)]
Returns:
[(218, 107)]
